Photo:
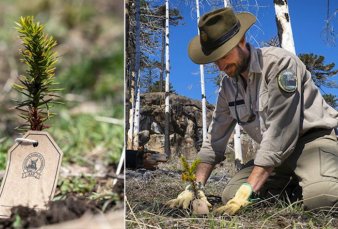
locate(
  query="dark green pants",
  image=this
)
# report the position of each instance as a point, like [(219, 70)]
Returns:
[(313, 166)]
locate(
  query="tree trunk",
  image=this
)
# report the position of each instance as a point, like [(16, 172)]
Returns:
[(167, 89), (204, 114), (131, 112), (134, 80), (238, 148), (137, 114), (130, 76), (137, 75), (127, 81), (162, 57), (284, 25)]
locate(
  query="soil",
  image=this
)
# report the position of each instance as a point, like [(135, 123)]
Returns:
[(70, 207), (148, 191), (58, 211)]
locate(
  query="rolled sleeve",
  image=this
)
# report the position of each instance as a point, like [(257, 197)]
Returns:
[(283, 116), (220, 129)]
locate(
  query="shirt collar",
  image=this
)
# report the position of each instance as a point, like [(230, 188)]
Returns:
[(254, 65)]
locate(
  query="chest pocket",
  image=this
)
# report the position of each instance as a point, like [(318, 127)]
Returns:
[(242, 110)]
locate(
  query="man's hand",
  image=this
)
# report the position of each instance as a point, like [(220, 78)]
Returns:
[(184, 198), (240, 200), (256, 180)]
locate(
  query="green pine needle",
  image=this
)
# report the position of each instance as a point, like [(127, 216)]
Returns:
[(188, 173), (37, 85)]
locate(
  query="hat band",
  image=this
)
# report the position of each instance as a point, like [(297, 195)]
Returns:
[(209, 47)]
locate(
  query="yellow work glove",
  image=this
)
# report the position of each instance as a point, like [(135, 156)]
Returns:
[(241, 199), (184, 198)]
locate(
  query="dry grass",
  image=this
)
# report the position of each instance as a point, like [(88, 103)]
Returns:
[(147, 192)]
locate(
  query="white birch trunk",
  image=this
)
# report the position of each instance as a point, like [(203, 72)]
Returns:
[(238, 147), (131, 113), (162, 59), (204, 112), (284, 25), (137, 114), (167, 88), (134, 138)]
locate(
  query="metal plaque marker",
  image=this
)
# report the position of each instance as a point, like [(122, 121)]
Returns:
[(32, 172)]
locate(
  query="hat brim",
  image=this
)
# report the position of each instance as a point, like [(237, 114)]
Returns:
[(195, 50)]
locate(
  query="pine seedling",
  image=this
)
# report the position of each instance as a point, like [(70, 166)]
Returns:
[(38, 84), (188, 173)]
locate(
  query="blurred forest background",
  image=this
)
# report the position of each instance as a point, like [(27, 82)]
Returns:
[(90, 70)]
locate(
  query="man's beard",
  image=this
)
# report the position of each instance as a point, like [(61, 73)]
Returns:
[(244, 62), (241, 66)]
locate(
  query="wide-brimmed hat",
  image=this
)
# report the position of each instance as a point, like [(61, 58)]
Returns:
[(220, 31)]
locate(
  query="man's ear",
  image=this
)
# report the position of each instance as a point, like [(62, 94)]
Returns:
[(242, 42)]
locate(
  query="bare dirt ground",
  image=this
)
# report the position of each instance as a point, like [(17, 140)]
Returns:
[(148, 191)]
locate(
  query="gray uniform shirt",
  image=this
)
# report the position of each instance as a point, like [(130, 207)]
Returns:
[(281, 117)]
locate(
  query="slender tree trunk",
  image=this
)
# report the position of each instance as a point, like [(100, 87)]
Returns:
[(167, 89), (238, 148), (129, 77), (126, 73), (162, 57), (204, 114), (284, 25), (135, 78), (137, 75), (137, 114), (131, 112)]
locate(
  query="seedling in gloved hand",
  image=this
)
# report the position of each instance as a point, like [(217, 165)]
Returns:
[(199, 204)]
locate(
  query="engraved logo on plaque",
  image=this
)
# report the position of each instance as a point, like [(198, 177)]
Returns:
[(33, 165)]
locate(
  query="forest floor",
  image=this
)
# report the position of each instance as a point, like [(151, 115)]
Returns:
[(148, 191), (99, 199)]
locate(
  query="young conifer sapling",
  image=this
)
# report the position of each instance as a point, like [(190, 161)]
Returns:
[(37, 85), (188, 174)]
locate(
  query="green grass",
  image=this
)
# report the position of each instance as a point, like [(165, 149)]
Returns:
[(147, 194), (79, 185), (101, 76), (78, 135)]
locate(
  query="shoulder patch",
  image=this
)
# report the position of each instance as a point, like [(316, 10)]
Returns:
[(287, 81)]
